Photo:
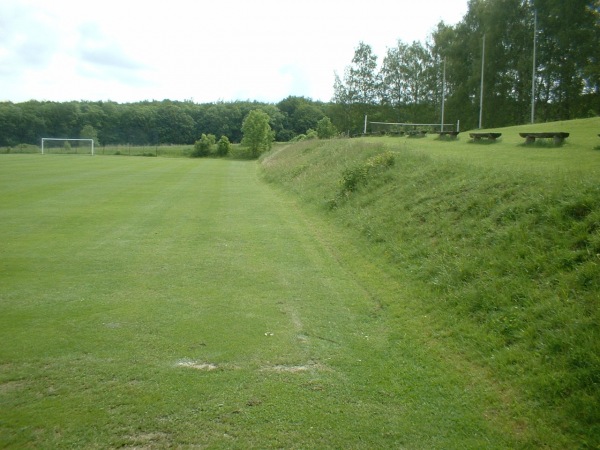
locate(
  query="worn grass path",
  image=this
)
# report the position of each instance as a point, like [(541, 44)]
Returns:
[(148, 302)]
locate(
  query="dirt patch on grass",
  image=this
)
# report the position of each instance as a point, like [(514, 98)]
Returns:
[(197, 365), (11, 386), (288, 368), (147, 441)]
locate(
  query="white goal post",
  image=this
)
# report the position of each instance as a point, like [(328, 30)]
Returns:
[(91, 141), (408, 125)]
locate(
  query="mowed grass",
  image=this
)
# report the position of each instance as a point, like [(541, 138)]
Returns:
[(160, 302)]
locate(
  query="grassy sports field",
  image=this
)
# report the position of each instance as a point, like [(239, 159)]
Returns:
[(155, 302)]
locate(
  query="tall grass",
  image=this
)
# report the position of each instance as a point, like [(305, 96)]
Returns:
[(501, 250)]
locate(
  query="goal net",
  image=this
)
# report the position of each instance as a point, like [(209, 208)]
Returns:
[(400, 129), (67, 146)]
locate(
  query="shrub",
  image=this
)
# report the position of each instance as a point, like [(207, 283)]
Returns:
[(299, 138), (311, 134), (354, 176), (325, 129), (203, 146), (223, 146)]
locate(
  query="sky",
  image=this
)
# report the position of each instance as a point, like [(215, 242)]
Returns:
[(197, 50)]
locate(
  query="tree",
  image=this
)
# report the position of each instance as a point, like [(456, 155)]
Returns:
[(223, 146), (325, 129), (568, 54), (362, 79), (89, 132), (173, 124), (409, 80), (300, 114), (257, 134), (357, 93), (393, 75)]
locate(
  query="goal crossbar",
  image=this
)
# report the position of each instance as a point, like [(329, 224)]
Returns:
[(67, 139), (409, 124)]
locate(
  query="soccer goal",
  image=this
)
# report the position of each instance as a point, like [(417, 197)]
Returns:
[(410, 128), (66, 146)]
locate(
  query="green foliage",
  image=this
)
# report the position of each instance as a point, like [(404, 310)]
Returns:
[(325, 129), (353, 177), (408, 84), (258, 136), (298, 138), (149, 123), (300, 114), (223, 146), (204, 145), (311, 134), (89, 132)]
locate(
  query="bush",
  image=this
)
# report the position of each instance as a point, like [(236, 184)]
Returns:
[(355, 176), (311, 134), (298, 138), (325, 129), (203, 146), (223, 146)]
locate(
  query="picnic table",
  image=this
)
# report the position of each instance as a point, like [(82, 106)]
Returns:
[(489, 136), (558, 136)]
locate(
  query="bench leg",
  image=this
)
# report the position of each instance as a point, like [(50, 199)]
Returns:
[(558, 140), (529, 140)]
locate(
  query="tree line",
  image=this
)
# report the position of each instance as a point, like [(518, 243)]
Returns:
[(151, 122), (407, 85)]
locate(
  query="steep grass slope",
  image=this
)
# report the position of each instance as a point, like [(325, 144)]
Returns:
[(498, 245)]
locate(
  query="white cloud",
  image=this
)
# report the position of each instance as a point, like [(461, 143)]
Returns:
[(206, 51)]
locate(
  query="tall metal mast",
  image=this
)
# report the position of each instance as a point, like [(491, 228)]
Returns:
[(481, 90), (533, 71)]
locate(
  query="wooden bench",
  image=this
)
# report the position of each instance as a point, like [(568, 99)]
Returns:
[(558, 137), (450, 134), (488, 136)]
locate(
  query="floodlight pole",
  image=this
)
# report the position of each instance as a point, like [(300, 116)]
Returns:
[(481, 90), (533, 71), (443, 95)]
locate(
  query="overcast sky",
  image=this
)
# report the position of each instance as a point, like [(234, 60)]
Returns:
[(205, 51)]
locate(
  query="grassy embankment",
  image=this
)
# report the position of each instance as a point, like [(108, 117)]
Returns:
[(496, 247)]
